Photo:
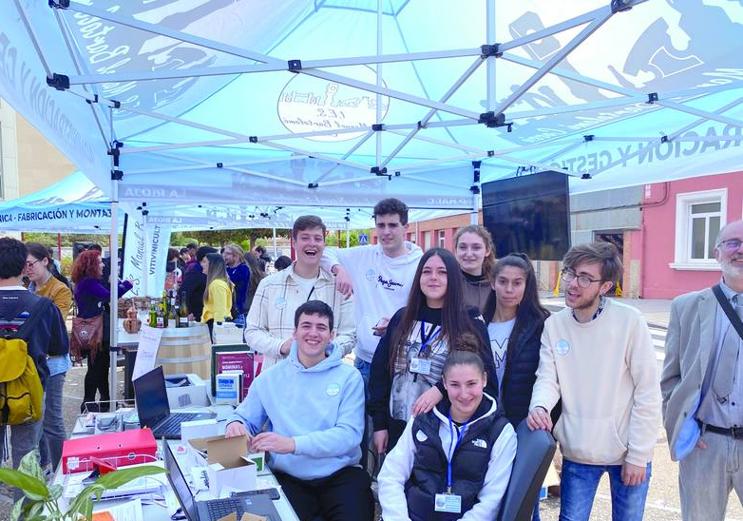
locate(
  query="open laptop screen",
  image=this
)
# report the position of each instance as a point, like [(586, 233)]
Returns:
[(151, 397), (178, 482)]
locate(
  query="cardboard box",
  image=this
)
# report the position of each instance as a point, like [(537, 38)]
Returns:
[(229, 467), (192, 395), (118, 449)]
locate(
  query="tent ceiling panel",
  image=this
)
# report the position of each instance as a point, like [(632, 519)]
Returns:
[(401, 85)]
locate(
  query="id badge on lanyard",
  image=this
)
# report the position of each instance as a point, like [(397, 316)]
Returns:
[(447, 501), (420, 364)]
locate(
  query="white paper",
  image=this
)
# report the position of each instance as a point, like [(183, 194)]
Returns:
[(129, 511), (149, 343)]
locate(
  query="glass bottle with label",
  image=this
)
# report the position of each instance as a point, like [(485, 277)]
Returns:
[(183, 311), (153, 316)]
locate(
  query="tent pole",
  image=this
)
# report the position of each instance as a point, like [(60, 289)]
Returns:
[(490, 32), (273, 231), (114, 285), (146, 270), (348, 235), (378, 100)]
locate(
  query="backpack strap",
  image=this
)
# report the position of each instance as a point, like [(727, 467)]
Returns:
[(34, 316)]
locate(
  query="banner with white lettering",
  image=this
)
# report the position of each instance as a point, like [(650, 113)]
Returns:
[(145, 256)]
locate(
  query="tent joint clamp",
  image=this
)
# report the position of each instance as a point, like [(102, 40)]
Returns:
[(294, 65), (379, 171), (313, 185), (59, 4), (493, 120), (377, 127), (58, 81), (488, 51), (117, 175), (652, 98)]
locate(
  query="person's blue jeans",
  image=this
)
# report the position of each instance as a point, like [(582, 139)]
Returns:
[(364, 368), (24, 438), (53, 434), (578, 489)]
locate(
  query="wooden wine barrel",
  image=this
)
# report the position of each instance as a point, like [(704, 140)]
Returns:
[(186, 350)]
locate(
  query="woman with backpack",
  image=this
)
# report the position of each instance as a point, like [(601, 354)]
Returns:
[(406, 369), (455, 461), (43, 283), (218, 293), (90, 329)]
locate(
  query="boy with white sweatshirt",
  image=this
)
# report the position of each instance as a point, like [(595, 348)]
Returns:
[(313, 407), (597, 356), (379, 275)]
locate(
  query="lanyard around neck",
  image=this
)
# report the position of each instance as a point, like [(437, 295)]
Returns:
[(450, 458), (427, 340)]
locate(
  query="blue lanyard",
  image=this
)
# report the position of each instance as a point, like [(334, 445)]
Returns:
[(460, 436), (427, 340)]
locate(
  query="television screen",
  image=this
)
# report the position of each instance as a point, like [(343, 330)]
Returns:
[(529, 214)]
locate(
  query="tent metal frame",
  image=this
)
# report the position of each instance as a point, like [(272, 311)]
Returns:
[(427, 170)]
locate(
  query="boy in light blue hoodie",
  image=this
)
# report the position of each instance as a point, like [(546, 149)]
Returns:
[(312, 405)]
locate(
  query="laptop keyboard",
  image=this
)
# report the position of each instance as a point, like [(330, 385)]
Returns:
[(221, 507), (173, 422)]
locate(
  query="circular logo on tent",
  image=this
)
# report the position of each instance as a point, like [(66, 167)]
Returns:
[(308, 104)]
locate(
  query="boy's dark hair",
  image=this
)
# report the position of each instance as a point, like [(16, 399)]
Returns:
[(203, 251), (307, 222), (314, 307), (603, 253), (183, 250), (282, 263), (392, 205), (13, 254), (192, 245)]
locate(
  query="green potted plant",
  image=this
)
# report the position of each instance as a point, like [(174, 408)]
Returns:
[(41, 502)]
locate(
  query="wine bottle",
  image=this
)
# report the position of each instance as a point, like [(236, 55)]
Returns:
[(183, 311)]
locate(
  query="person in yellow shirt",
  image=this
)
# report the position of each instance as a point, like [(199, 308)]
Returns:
[(218, 293), (45, 284)]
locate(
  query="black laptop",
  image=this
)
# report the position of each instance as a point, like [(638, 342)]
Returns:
[(153, 409), (213, 509)]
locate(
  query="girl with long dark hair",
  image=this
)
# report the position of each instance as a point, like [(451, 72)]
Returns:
[(515, 320), (406, 368)]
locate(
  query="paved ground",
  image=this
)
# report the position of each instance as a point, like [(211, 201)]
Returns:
[(663, 499)]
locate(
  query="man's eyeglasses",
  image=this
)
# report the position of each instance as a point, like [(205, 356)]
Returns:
[(583, 280), (730, 245), (31, 264)]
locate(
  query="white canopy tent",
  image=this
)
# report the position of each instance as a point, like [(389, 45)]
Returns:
[(337, 103)]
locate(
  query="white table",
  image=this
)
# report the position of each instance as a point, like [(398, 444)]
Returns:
[(160, 512)]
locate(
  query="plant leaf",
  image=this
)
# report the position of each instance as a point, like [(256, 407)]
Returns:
[(30, 465), (33, 488), (55, 492), (123, 476), (15, 513)]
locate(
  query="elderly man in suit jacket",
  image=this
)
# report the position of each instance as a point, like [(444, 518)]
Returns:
[(702, 385)]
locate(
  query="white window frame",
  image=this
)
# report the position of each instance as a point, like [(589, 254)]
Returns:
[(682, 257), (427, 240), (441, 239)]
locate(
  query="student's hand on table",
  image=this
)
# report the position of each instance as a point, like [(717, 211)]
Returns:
[(272, 442), (539, 419), (342, 280), (380, 440), (632, 475), (427, 401), (235, 429)]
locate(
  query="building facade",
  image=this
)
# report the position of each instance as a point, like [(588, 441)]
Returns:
[(665, 232), (28, 162)]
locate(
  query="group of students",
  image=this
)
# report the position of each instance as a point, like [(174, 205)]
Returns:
[(453, 350)]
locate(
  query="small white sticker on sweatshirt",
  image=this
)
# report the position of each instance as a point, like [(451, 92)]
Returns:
[(562, 347), (332, 389), (421, 436)]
